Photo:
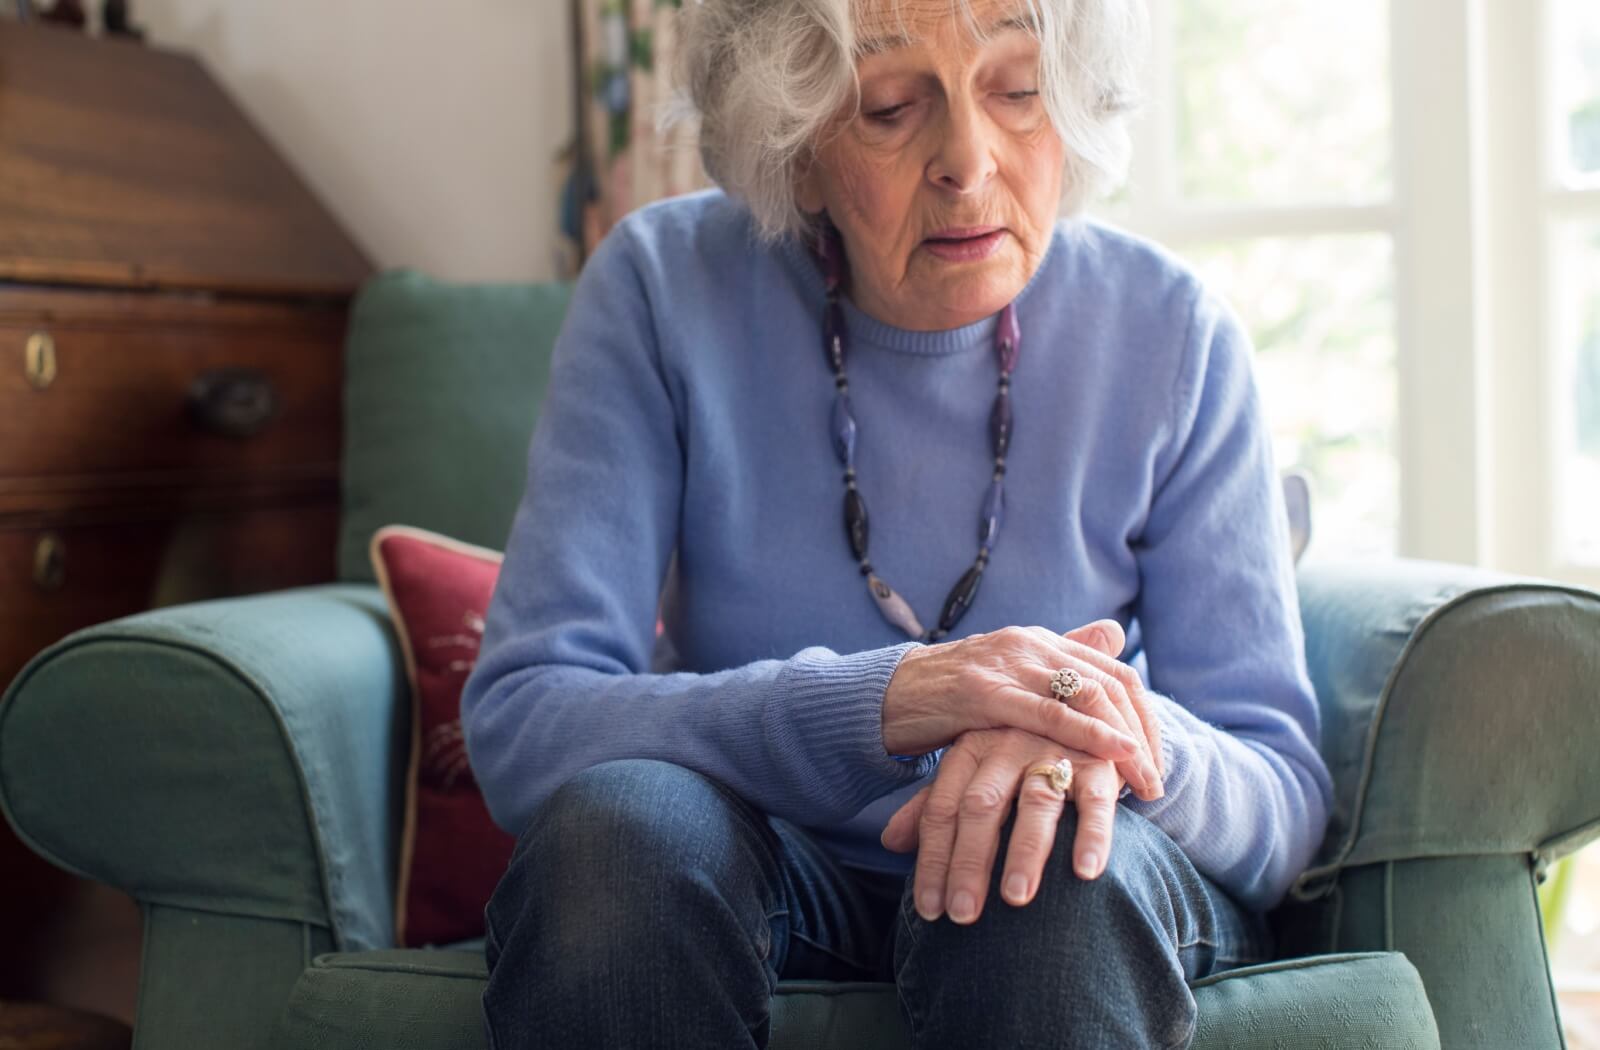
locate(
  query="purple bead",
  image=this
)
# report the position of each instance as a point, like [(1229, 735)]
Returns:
[(844, 430), (895, 609), (1010, 338), (833, 334), (1000, 423), (993, 508)]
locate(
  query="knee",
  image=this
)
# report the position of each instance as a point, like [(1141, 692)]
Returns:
[(1130, 891), (637, 823), (1132, 883), (626, 809), (628, 850), (1102, 933)]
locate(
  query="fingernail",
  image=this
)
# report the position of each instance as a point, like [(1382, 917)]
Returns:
[(962, 906), (1127, 743), (928, 904), (1016, 887), (1090, 865)]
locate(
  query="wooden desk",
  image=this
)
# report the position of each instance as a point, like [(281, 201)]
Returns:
[(173, 302)]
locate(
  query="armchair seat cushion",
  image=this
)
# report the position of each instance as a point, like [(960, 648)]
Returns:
[(430, 999)]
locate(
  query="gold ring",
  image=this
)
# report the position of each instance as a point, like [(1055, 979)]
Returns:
[(1059, 773)]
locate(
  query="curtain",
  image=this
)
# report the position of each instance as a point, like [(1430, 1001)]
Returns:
[(625, 76)]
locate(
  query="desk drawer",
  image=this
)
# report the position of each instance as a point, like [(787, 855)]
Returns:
[(199, 389), (55, 579)]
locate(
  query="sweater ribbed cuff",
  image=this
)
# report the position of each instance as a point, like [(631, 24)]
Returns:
[(829, 717)]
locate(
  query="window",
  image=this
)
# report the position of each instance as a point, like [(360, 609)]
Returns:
[(1574, 134), (1264, 157), (1402, 202)]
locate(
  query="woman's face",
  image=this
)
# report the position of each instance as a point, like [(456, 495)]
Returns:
[(946, 184)]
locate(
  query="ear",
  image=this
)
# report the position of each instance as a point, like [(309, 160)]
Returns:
[(808, 188)]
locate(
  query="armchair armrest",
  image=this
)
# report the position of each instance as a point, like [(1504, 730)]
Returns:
[(1461, 712), (242, 756)]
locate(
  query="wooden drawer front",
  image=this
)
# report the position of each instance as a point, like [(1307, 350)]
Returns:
[(97, 397), (56, 580)]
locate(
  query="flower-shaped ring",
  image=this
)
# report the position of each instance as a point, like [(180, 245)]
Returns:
[(1066, 683)]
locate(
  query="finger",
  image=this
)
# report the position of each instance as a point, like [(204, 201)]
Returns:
[(1033, 836), (900, 833), (1145, 705), (1142, 773), (1105, 635), (1098, 698), (1087, 650), (1043, 715), (1105, 640), (936, 832), (1101, 697), (985, 804), (1094, 791), (1138, 701), (1139, 709)]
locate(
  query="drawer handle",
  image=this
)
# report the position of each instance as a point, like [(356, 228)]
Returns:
[(233, 402), (50, 562), (39, 360)]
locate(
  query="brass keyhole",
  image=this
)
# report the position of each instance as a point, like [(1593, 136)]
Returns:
[(50, 562), (40, 360)]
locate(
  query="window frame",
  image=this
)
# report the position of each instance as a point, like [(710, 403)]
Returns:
[(1561, 203), (1473, 220), (1530, 207)]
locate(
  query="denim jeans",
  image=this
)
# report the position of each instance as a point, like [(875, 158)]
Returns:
[(647, 905)]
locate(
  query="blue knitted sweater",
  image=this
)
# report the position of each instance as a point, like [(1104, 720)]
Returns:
[(681, 465)]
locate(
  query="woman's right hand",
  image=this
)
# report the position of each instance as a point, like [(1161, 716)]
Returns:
[(1002, 678)]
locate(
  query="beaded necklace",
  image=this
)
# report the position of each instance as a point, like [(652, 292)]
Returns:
[(1007, 341)]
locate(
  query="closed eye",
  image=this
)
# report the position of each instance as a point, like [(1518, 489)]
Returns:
[(888, 115), (1020, 96)]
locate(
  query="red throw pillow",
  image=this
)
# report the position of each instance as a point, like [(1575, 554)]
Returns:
[(452, 854)]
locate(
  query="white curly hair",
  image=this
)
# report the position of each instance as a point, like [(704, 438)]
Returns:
[(762, 78)]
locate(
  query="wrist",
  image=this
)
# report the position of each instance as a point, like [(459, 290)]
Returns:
[(898, 683)]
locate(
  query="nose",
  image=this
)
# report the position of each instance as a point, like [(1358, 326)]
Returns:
[(964, 160)]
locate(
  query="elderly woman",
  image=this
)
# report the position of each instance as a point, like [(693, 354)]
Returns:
[(1042, 773)]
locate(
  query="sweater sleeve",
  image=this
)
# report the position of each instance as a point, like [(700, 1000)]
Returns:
[(561, 680), (1247, 792)]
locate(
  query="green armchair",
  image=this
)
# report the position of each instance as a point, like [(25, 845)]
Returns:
[(236, 765)]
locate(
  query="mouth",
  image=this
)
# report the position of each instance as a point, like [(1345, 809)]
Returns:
[(965, 243)]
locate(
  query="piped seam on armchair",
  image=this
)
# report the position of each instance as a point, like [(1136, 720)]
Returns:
[(1317, 881)]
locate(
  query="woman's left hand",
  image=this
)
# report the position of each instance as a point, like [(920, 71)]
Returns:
[(954, 823)]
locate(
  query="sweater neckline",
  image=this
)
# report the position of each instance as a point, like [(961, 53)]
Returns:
[(865, 328)]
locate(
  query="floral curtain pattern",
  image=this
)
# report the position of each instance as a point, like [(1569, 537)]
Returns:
[(628, 51)]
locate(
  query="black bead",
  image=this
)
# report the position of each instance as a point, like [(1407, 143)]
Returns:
[(993, 510), (960, 599), (833, 335), (1000, 423), (855, 521)]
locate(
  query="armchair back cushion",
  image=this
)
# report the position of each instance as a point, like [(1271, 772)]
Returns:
[(443, 383)]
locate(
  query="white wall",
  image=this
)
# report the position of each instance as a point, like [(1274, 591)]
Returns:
[(430, 129)]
